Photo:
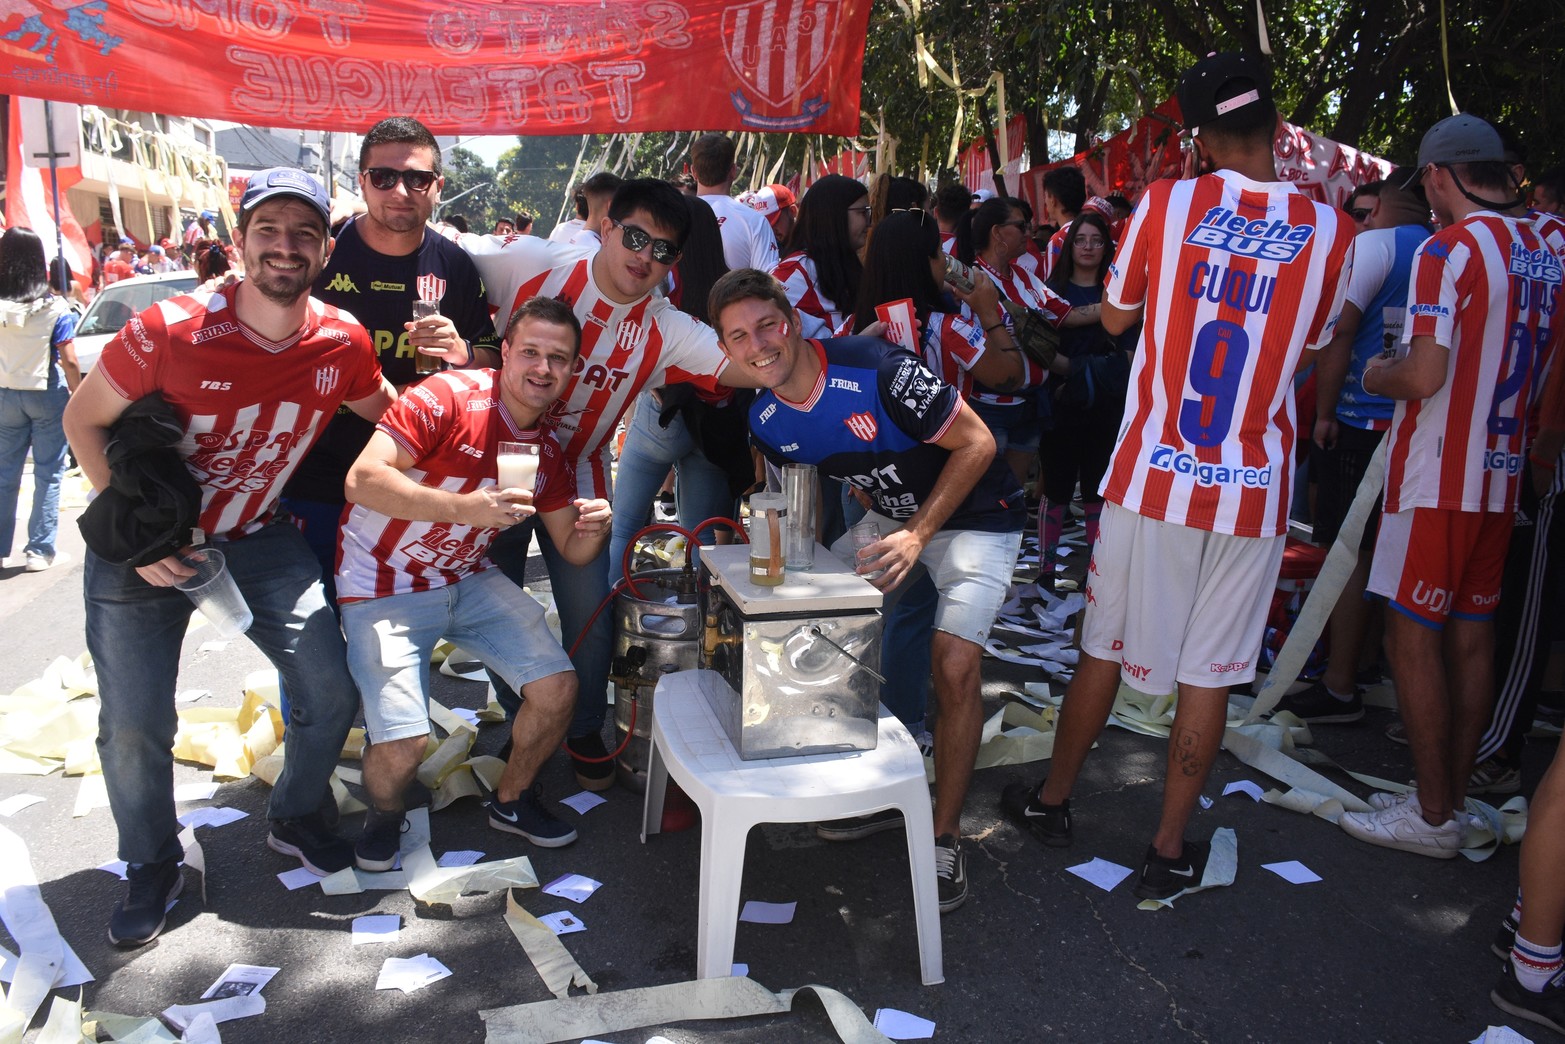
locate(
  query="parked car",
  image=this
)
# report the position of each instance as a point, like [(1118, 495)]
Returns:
[(116, 303)]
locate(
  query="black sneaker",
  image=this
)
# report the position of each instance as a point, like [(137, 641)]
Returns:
[(1546, 1008), (592, 775), (1050, 824), (527, 816), (1164, 878), (139, 917), (1317, 706), (309, 840), (859, 826), (376, 848), (1505, 937), (950, 872)]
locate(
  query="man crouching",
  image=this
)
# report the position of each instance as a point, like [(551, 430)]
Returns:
[(412, 568)]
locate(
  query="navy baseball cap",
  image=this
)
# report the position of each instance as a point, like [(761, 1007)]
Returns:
[(286, 181), (1207, 90)]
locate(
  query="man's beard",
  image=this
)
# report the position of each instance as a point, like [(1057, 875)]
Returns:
[(281, 287)]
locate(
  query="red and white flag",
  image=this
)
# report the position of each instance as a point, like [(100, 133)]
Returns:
[(29, 201)]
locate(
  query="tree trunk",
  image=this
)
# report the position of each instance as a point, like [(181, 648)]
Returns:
[(994, 148)]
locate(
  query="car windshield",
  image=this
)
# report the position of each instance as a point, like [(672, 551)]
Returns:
[(114, 306)]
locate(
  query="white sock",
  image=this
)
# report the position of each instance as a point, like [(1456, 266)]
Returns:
[(1535, 965)]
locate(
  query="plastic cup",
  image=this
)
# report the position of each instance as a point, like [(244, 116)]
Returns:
[(422, 363), (214, 592), (860, 537), (800, 487), (516, 465)]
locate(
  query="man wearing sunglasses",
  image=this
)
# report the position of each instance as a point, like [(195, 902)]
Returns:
[(631, 341), (381, 263)]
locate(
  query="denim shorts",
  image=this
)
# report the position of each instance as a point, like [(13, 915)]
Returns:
[(971, 570), (390, 640)]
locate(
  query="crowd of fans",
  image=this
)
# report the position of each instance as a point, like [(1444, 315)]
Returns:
[(1194, 340)]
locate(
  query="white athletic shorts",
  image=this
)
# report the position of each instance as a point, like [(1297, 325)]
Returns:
[(1175, 604)]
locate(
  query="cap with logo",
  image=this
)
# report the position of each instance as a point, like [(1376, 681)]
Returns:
[(285, 181), (1457, 139), (771, 201), (1208, 88)]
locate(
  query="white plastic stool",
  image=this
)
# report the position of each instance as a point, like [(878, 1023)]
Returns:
[(689, 744)]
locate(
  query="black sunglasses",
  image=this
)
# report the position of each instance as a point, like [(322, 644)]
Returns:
[(664, 251), (386, 178), (1360, 213)]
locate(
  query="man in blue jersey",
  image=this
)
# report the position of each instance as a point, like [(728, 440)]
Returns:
[(874, 417), (1350, 424)]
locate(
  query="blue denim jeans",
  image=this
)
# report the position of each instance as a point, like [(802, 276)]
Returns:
[(578, 591), (134, 632), (701, 487), (390, 640), (31, 420)]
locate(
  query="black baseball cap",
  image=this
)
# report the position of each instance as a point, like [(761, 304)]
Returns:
[(1210, 87)]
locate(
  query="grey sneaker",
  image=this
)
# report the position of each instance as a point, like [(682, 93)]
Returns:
[(950, 872), (1495, 776), (37, 561)]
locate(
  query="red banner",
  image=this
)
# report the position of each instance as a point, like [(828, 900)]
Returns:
[(1126, 163), (459, 66)]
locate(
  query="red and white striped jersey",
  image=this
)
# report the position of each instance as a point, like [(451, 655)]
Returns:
[(451, 424), (1488, 289), (1019, 285), (952, 345), (948, 243), (1238, 279), (1051, 253), (625, 348), (251, 407), (1551, 229), (1032, 262), (819, 316)]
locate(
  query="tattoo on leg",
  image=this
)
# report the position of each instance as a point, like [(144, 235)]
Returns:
[(1186, 754)]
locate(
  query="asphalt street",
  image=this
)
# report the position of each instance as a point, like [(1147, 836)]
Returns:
[(1386, 947)]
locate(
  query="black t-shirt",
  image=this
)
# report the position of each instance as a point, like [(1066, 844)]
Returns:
[(379, 291)]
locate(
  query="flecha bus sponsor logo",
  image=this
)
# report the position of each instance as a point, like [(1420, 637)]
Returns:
[(1267, 240)]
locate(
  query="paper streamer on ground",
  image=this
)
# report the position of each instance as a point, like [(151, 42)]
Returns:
[(42, 729), (1222, 866), (224, 1009), (126, 1029), (1014, 735), (573, 1018), (46, 960), (1334, 572), (554, 963)]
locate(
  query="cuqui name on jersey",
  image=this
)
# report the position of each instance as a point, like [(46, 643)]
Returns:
[(1166, 458)]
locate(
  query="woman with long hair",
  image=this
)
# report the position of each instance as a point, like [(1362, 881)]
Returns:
[(670, 427), (904, 261), (991, 238), (820, 267), (890, 193), (1088, 403), (38, 372)]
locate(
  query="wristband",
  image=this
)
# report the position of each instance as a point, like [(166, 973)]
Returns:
[(1546, 465), (996, 326), (471, 353)]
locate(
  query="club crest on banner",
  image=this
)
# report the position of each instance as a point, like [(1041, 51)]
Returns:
[(863, 425), (778, 47)]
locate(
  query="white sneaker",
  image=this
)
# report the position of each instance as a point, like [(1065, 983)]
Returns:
[(1381, 799), (37, 563), (1402, 826)]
